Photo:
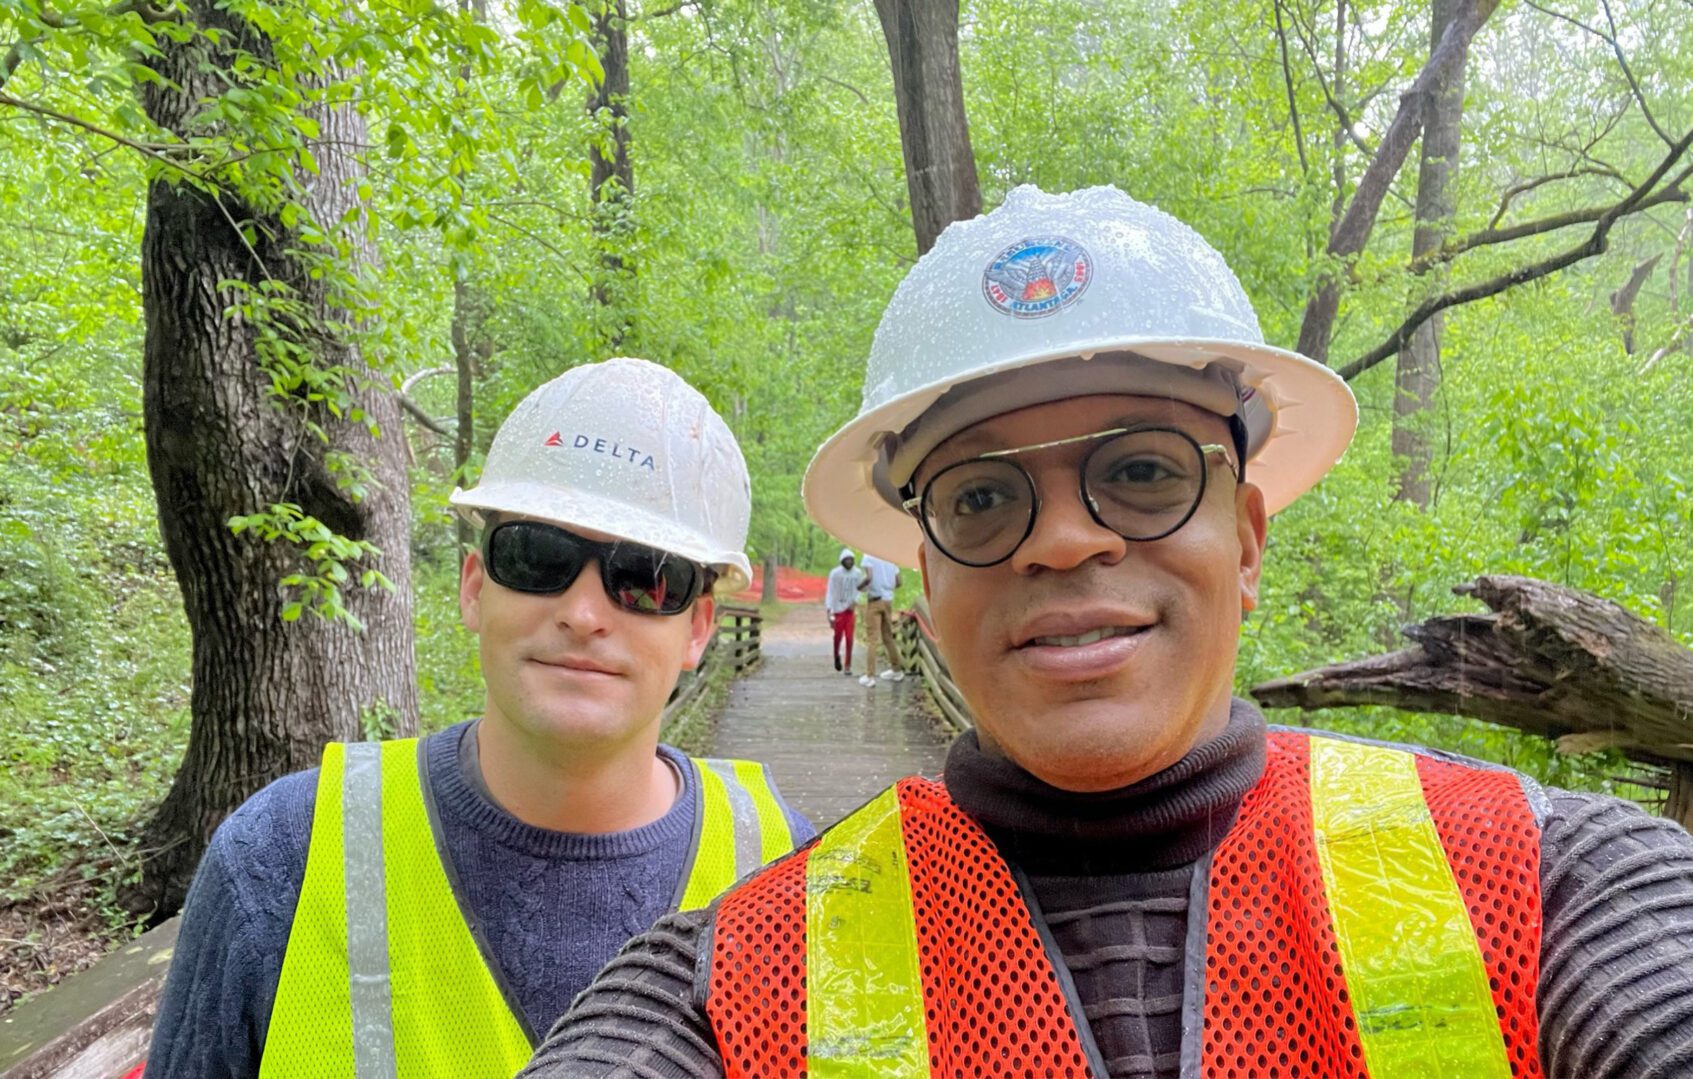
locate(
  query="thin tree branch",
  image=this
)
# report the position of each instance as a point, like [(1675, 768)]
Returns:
[(1486, 237), (1525, 186), (1595, 244), (421, 416), (1622, 61), (844, 86), (1292, 101)]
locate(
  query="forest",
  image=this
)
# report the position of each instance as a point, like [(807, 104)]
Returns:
[(273, 271)]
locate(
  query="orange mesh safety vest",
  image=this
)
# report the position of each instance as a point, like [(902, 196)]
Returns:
[(1372, 912)]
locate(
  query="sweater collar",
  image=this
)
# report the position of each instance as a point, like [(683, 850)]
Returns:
[(1168, 819)]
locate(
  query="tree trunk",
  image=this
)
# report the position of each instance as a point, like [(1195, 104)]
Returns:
[(1418, 375), (1352, 231), (611, 178), (771, 565), (266, 694), (934, 134), (464, 437), (1549, 660)]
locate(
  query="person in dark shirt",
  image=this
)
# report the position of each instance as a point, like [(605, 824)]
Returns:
[(424, 907), (1072, 425)]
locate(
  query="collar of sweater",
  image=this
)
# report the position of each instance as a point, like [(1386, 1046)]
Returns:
[(1166, 820)]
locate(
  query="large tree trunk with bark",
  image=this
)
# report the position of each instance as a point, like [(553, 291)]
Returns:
[(934, 133), (267, 694), (1549, 660), (1418, 375), (611, 178)]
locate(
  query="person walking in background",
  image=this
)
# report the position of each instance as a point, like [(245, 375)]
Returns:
[(880, 579), (425, 908), (839, 602)]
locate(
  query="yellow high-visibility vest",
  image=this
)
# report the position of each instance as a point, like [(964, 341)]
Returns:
[(383, 976)]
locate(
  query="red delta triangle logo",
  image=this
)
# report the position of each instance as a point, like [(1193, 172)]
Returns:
[(554, 439)]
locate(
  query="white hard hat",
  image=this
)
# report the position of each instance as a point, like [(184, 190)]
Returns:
[(628, 449), (1057, 296)]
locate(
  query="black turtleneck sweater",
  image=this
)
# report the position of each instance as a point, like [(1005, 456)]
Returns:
[(1111, 875)]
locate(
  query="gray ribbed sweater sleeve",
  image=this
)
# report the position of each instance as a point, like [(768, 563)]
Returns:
[(641, 1018), (1615, 994), (1616, 955)]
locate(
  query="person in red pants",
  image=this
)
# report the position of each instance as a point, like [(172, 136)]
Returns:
[(845, 583)]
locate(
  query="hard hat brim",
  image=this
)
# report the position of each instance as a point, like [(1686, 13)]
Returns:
[(620, 520), (1315, 417)]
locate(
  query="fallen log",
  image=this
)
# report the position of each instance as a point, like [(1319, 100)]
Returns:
[(1548, 660)]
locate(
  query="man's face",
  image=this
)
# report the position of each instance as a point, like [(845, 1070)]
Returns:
[(574, 669), (1102, 714), (846, 563)]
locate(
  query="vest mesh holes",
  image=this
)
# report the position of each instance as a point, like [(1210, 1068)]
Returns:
[(1495, 858), (757, 1002), (1264, 877)]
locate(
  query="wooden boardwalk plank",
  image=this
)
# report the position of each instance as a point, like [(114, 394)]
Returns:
[(830, 742)]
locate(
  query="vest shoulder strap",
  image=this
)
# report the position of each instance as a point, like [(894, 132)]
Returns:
[(739, 825)]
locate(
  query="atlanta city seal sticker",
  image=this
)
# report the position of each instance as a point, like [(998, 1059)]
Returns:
[(1037, 277)]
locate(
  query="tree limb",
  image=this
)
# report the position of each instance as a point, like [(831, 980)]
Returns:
[(1635, 201), (1523, 187), (1292, 101), (421, 416), (1670, 193), (1352, 231)]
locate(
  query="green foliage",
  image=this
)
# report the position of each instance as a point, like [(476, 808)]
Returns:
[(768, 225)]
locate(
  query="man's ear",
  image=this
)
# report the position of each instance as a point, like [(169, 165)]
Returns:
[(702, 623), (472, 575), (1252, 528)]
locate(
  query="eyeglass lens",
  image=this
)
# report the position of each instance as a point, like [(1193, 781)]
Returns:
[(1143, 485), (531, 556)]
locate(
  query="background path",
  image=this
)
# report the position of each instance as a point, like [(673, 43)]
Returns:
[(830, 742)]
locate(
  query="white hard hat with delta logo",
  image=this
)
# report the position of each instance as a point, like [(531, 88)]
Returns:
[(628, 449), (1056, 296)]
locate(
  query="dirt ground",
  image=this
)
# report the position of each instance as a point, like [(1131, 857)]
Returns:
[(47, 938)]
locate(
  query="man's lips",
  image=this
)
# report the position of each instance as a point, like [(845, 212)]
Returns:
[(576, 665), (1080, 646)]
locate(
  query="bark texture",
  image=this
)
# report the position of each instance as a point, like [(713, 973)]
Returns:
[(1548, 660), (934, 133), (266, 694), (611, 176), (1418, 376)]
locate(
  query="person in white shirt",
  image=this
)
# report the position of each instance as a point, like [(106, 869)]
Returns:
[(881, 578), (845, 583)]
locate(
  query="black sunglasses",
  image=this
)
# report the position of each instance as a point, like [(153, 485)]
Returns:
[(544, 559)]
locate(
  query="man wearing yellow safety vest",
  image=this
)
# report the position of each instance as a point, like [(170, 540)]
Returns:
[(427, 908), (1072, 425)]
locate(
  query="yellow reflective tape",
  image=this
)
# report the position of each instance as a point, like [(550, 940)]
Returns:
[(774, 837), (311, 1021), (864, 988), (714, 859), (450, 1017), (1414, 971)]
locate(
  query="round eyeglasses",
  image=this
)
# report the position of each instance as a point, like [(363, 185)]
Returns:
[(1142, 483)]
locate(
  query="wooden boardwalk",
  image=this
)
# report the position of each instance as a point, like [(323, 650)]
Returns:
[(830, 742)]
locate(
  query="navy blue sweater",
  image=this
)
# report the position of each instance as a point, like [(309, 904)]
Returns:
[(554, 906)]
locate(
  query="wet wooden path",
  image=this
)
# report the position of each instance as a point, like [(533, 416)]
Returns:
[(830, 742)]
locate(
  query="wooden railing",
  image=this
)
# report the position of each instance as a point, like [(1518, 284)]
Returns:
[(97, 1024), (916, 636), (735, 645)]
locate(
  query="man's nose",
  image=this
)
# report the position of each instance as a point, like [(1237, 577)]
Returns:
[(584, 606), (1065, 534)]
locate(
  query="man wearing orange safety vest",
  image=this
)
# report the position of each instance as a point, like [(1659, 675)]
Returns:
[(1072, 424), (424, 909)]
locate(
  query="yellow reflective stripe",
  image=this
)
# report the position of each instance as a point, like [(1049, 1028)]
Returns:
[(1413, 969), (864, 988), (714, 858), (775, 839), (450, 1017), (311, 1022)]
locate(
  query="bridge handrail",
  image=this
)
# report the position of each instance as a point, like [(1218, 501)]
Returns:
[(915, 634), (98, 1024)]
